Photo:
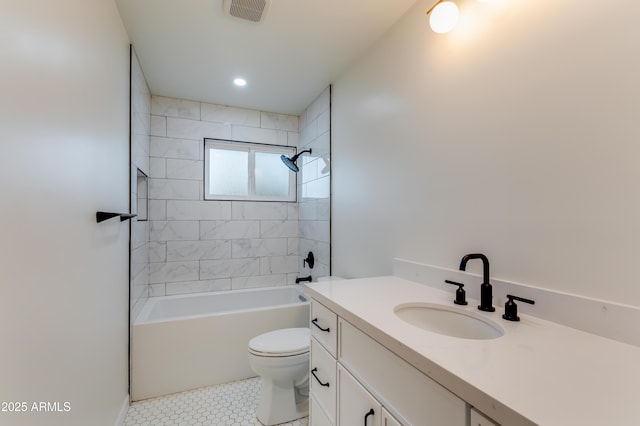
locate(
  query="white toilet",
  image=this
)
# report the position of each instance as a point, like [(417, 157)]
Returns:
[(281, 359)]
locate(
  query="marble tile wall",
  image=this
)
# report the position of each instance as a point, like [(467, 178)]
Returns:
[(314, 185), (198, 245), (140, 133)]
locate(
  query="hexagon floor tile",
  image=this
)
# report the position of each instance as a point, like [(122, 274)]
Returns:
[(229, 404)]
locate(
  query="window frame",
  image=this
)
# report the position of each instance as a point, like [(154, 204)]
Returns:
[(251, 148)]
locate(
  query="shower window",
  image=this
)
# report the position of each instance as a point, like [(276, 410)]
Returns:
[(247, 171)]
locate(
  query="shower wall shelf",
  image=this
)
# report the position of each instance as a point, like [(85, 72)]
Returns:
[(102, 216)]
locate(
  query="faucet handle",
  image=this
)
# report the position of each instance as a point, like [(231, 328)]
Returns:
[(460, 293), (310, 260), (511, 309)]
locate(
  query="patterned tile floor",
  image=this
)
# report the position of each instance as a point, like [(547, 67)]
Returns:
[(229, 404)]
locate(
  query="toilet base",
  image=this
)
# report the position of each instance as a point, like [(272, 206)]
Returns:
[(280, 404)]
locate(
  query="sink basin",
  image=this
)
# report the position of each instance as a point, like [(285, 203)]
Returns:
[(447, 320)]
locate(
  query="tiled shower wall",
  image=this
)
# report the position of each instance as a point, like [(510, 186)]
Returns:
[(140, 128), (199, 245), (314, 185)]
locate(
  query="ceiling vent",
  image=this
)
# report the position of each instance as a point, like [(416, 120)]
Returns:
[(249, 10)]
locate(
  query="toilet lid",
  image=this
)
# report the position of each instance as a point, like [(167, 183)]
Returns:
[(285, 342)]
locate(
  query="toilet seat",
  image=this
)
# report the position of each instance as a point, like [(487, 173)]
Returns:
[(281, 343)]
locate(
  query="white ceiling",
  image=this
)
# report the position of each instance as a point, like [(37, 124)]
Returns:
[(191, 49)]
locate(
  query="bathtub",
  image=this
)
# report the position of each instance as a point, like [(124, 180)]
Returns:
[(191, 341)]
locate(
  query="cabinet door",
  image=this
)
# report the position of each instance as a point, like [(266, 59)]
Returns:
[(394, 382), (355, 405), (478, 419), (388, 419)]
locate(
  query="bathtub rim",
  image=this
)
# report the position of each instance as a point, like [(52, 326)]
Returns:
[(148, 304)]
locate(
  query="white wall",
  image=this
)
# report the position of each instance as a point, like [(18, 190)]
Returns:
[(518, 138), (199, 245), (314, 185), (140, 134), (63, 156)]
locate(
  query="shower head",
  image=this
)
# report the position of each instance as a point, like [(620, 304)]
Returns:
[(290, 162)]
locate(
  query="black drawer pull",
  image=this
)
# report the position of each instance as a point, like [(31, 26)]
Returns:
[(366, 416), (314, 375), (315, 322)]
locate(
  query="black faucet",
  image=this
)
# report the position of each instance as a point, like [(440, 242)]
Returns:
[(485, 289), (299, 280)]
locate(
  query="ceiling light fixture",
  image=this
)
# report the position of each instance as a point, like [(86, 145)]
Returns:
[(444, 16), (240, 82)]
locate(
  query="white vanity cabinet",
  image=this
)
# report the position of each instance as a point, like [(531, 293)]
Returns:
[(359, 407), (354, 380), (324, 327), (388, 419), (476, 418), (322, 379), (322, 365), (316, 415), (356, 406), (401, 388)]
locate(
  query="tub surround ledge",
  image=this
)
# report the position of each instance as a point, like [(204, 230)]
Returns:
[(537, 373)]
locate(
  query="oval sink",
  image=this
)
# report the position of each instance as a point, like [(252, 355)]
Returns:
[(448, 320)]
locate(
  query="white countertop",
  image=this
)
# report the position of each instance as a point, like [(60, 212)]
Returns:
[(538, 373)]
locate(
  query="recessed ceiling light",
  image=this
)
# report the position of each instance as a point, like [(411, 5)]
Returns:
[(240, 82)]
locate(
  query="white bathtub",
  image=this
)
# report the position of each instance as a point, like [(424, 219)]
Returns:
[(190, 341)]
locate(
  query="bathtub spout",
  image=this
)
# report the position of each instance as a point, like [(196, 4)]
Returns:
[(299, 280)]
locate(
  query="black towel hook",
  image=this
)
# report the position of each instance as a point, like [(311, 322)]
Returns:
[(102, 216)]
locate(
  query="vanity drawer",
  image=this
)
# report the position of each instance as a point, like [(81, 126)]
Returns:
[(322, 379), (317, 416), (324, 327), (395, 383)]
